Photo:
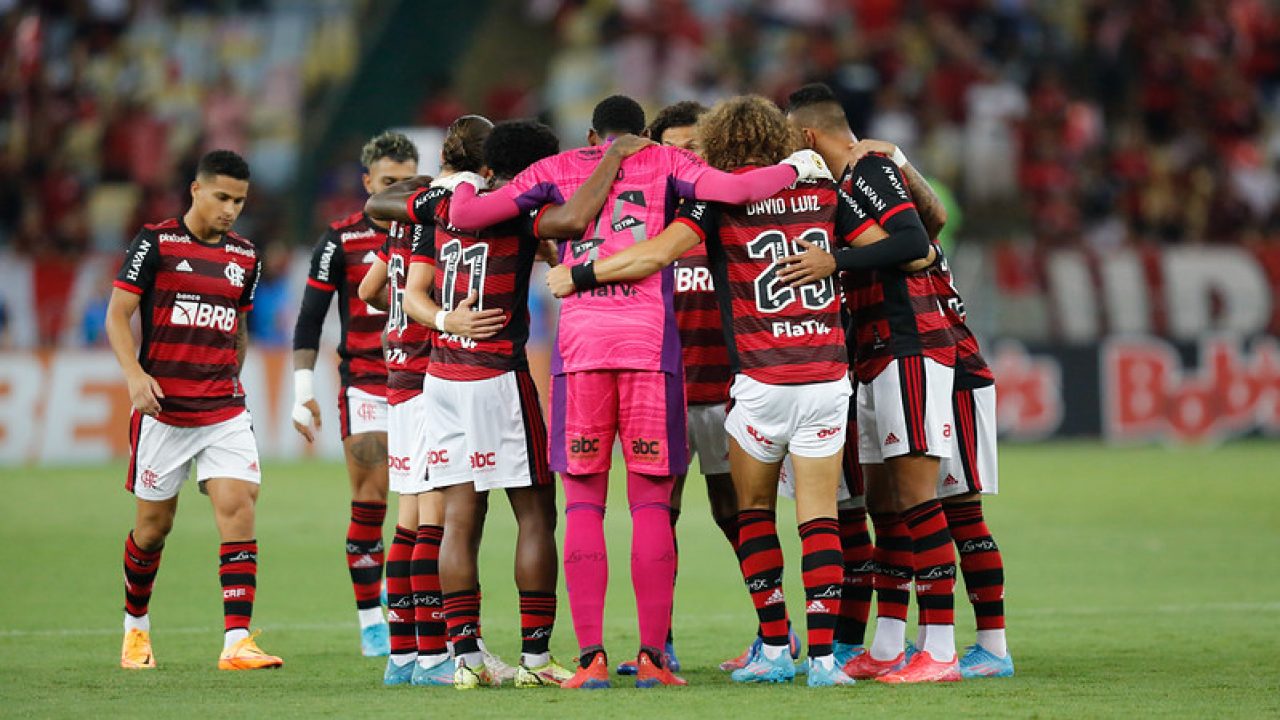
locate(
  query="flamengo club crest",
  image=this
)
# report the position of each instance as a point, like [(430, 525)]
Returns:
[(235, 274)]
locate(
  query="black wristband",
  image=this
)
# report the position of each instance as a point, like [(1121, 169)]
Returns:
[(584, 276)]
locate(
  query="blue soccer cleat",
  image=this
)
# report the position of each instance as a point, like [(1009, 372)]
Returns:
[(979, 662), (672, 662), (375, 640), (761, 669), (439, 674), (844, 652), (398, 674), (822, 676)]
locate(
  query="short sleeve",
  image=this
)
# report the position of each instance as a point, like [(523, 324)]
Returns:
[(685, 169), (420, 206), (879, 187), (326, 263), (141, 261), (422, 244), (702, 217), (250, 287), (852, 219)]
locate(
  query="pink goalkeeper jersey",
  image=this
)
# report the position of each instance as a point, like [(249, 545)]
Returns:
[(623, 326)]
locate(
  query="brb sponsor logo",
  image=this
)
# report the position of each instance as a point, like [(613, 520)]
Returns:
[(693, 279), (199, 314), (484, 461), (398, 463), (647, 448), (437, 457), (584, 446)]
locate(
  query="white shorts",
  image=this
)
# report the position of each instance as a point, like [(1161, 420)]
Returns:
[(161, 455), (361, 412), (407, 446), (973, 466), (486, 432), (707, 438), (768, 421), (906, 410), (787, 486)]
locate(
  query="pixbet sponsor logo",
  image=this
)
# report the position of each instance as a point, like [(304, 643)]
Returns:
[(173, 238), (237, 250), (484, 461), (584, 446), (191, 313)]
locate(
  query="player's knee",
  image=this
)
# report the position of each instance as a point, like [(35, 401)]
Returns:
[(150, 536)]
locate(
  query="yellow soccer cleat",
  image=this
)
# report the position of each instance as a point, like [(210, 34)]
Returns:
[(465, 678), (552, 674), (246, 655), (136, 653)]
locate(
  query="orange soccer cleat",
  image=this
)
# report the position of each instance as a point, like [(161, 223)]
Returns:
[(136, 653), (649, 675), (246, 655), (923, 668), (592, 677)]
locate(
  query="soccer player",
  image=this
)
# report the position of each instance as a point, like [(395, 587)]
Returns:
[(414, 604), (616, 370), (791, 389), (339, 261), (192, 281), (905, 367)]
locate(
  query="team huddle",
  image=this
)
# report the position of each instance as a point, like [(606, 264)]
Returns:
[(754, 287)]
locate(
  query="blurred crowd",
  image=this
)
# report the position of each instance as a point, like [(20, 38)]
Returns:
[(1093, 122)]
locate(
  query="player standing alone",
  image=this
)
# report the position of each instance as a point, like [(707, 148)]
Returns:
[(192, 280), (340, 260)]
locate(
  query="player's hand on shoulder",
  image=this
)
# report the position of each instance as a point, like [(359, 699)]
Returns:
[(812, 265), (628, 145), (145, 393), (867, 146), (306, 418), (560, 281), (466, 321), (809, 165), (451, 182)]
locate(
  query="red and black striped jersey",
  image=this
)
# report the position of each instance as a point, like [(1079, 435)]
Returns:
[(495, 264), (408, 342), (192, 296), (892, 313), (706, 359), (972, 370), (338, 264), (774, 334)]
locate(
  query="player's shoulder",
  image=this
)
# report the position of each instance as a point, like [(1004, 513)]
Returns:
[(354, 220), (678, 154), (240, 245), (163, 225)]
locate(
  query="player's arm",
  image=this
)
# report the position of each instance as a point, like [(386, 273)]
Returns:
[(933, 214), (571, 220), (136, 274), (327, 261), (876, 196), (373, 286), (462, 320), (242, 338), (698, 181), (634, 263), (242, 315), (393, 202)]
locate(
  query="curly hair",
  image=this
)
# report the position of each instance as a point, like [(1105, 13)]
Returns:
[(746, 130), (391, 145), (516, 144), (463, 149)]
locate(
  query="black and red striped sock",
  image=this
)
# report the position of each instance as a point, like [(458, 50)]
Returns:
[(980, 562), (238, 572), (140, 567), (462, 618), (859, 573), (537, 620), (822, 569), (400, 612), (424, 578), (760, 557), (893, 566), (365, 552), (935, 563)]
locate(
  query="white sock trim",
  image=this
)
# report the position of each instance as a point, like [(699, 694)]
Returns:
[(370, 616), (142, 623), (889, 640), (234, 636)]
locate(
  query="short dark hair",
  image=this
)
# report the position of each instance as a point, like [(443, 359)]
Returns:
[(514, 145), (617, 115), (222, 162), (815, 105), (682, 114), (394, 146), (811, 94)]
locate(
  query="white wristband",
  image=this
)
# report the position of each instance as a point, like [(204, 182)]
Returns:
[(302, 386), (899, 157), (440, 319)]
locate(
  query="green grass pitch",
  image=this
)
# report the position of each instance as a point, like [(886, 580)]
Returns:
[(1141, 582)]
